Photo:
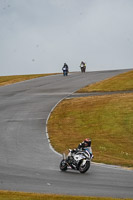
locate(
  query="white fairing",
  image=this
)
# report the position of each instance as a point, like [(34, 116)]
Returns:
[(78, 157)]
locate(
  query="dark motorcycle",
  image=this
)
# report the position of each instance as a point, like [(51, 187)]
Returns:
[(78, 161)]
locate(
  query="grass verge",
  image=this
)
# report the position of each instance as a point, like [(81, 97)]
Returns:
[(7, 80), (107, 120), (120, 82), (6, 195)]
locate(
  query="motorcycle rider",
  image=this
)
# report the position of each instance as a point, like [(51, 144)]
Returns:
[(83, 66), (65, 69), (82, 146)]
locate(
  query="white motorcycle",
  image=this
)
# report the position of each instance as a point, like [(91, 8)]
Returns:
[(78, 161)]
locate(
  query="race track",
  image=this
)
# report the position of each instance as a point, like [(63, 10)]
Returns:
[(27, 163)]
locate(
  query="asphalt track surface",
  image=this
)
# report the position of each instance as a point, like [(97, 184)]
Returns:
[(27, 163)]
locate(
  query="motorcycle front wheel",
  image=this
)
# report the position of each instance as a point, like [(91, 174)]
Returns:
[(63, 165), (84, 167)]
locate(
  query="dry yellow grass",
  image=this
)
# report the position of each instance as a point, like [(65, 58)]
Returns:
[(120, 82), (7, 80), (6, 195), (107, 120)]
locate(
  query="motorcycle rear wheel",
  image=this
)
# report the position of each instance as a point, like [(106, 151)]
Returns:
[(84, 168), (63, 165)]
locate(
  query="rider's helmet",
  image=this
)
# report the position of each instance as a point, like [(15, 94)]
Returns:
[(87, 142)]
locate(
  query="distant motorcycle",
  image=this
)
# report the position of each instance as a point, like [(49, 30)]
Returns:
[(78, 161)]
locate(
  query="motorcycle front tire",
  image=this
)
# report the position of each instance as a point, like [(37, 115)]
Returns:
[(63, 165), (85, 167)]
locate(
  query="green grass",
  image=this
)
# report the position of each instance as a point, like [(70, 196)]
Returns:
[(7, 80), (6, 195), (120, 82)]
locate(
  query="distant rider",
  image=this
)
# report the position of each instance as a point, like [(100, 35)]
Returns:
[(82, 146), (65, 69), (83, 66)]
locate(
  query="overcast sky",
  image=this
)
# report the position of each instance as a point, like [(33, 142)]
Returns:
[(38, 36)]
